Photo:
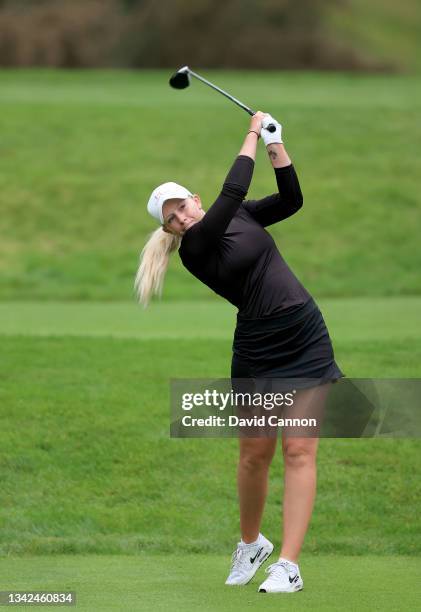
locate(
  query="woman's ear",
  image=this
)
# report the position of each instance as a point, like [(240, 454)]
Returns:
[(196, 198)]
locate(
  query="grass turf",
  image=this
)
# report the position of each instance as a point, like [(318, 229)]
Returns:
[(85, 460), (196, 582), (349, 319), (87, 466), (90, 147)]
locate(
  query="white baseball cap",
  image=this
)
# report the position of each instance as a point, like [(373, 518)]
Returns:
[(166, 191)]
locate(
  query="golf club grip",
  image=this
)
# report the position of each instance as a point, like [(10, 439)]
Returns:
[(270, 128)]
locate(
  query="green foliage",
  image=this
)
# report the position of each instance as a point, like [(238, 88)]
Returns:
[(265, 34), (237, 34)]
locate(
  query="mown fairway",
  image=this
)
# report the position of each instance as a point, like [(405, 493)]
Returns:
[(195, 582), (86, 419), (87, 467), (88, 471)]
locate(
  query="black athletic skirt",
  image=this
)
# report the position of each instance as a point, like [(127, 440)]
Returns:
[(295, 345)]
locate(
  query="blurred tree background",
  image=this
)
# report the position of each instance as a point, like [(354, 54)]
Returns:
[(380, 35)]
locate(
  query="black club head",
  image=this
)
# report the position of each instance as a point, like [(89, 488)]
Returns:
[(180, 79)]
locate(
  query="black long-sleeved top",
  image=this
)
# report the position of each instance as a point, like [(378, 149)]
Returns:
[(230, 251)]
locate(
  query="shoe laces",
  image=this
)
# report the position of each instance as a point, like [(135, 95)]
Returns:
[(238, 557), (278, 569)]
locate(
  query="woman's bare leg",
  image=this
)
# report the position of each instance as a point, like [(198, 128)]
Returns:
[(299, 447), (253, 468), (299, 492)]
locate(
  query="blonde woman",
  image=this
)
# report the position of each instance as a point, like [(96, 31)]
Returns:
[(280, 332)]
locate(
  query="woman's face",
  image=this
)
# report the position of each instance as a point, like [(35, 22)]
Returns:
[(180, 215)]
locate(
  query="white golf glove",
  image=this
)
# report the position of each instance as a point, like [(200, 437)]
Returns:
[(271, 137)]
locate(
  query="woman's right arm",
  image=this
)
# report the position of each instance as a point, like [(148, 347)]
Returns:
[(216, 220), (234, 190)]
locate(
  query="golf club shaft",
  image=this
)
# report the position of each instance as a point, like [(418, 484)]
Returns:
[(270, 128), (224, 93)]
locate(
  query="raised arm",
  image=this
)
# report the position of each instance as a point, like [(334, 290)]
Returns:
[(278, 156), (289, 198), (234, 189)]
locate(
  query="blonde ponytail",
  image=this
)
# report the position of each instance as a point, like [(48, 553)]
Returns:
[(153, 264)]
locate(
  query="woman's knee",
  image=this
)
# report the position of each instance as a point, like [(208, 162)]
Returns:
[(299, 452), (256, 453)]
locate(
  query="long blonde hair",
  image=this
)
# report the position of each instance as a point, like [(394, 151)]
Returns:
[(153, 263)]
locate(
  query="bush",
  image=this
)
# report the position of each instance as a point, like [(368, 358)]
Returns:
[(60, 33), (236, 34), (168, 33)]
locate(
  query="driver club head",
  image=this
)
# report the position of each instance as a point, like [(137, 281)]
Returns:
[(181, 78)]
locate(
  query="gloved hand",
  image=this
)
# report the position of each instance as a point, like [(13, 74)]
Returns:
[(271, 137)]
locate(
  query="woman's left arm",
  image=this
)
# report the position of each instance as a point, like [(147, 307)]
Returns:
[(281, 205), (289, 198), (278, 156)]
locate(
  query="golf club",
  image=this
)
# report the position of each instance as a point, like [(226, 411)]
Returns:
[(181, 80)]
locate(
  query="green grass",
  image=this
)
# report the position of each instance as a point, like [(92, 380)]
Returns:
[(81, 151), (85, 418), (381, 29), (196, 582), (87, 468), (349, 319)]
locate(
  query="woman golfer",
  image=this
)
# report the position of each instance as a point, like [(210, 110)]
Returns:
[(280, 331)]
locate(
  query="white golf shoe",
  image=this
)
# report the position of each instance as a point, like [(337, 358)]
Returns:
[(284, 577), (247, 559)]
